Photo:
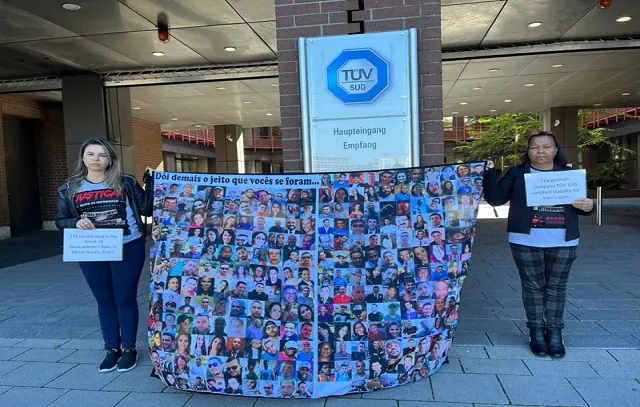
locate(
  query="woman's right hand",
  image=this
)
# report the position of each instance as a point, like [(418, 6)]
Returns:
[(85, 224), (490, 164)]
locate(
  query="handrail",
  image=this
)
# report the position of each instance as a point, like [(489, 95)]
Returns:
[(603, 118), (206, 137)]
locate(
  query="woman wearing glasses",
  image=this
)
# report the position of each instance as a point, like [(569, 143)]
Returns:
[(543, 241)]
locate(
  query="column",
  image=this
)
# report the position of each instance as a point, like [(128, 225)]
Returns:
[(91, 111), (229, 149), (563, 121)]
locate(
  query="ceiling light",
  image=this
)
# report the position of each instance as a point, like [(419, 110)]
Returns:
[(157, 54), (136, 108), (493, 110), (71, 6), (174, 119), (528, 85), (535, 24), (493, 70), (598, 104), (463, 103), (477, 88), (508, 101), (246, 102), (623, 19), (454, 112), (198, 126), (626, 94), (274, 85), (221, 88), (230, 49), (557, 66), (269, 114)]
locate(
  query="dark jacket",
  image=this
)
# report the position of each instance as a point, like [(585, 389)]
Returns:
[(511, 188), (141, 202)]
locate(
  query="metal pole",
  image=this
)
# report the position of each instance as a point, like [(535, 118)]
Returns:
[(599, 206)]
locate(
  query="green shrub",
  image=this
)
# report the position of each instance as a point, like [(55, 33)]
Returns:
[(609, 176)]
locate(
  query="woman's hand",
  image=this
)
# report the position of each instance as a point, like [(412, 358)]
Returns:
[(490, 164), (85, 224), (585, 204)]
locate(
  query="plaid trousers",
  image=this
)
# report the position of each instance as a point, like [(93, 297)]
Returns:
[(544, 273)]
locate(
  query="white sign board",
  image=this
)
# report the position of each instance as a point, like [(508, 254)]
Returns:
[(555, 187), (92, 245), (359, 101)]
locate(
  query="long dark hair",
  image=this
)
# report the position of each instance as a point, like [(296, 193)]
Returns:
[(559, 159)]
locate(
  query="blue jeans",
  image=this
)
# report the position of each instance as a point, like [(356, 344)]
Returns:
[(115, 286)]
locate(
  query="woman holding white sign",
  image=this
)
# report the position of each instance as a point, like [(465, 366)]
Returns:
[(98, 195), (543, 240)]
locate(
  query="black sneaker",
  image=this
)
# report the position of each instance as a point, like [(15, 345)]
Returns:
[(128, 361), (110, 361)]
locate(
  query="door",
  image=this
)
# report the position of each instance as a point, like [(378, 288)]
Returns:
[(22, 175)]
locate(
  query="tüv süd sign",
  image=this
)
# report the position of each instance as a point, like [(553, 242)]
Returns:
[(358, 76)]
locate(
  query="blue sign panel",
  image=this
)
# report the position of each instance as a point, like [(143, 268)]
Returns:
[(358, 76)]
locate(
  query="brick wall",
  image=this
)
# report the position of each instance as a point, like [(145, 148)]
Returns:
[(52, 158), (308, 18), (11, 105), (147, 147)]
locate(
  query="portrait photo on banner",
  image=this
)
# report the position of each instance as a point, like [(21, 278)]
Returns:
[(308, 285)]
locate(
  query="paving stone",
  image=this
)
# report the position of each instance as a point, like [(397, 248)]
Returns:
[(265, 402), (81, 397), (34, 373), (208, 400), (427, 404), (379, 402), (495, 366), (468, 352), (617, 328), (29, 397), (136, 380), (626, 355), (84, 377), (91, 344), (601, 341), (556, 368), (467, 388), (498, 338), (91, 357), (573, 327), (608, 392), (599, 304), (4, 389), (155, 400), (8, 367), (587, 355), (624, 370), (10, 353), (509, 352), (41, 343), (9, 342), (419, 391), (453, 366), (471, 338), (488, 325), (619, 315), (545, 391), (42, 355)]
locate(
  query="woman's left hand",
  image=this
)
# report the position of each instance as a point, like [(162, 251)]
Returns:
[(585, 204)]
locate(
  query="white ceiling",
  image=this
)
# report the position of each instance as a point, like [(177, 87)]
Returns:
[(584, 79)]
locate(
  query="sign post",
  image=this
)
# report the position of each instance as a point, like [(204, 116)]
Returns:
[(359, 99)]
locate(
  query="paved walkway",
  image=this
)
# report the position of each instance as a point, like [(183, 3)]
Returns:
[(50, 342)]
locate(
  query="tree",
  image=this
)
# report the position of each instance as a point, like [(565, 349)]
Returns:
[(504, 139)]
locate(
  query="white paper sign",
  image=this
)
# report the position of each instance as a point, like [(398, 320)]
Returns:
[(92, 245), (555, 187)]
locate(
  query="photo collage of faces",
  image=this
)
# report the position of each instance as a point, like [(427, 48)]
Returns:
[(349, 286)]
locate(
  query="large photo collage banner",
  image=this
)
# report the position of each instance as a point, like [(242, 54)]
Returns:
[(308, 285)]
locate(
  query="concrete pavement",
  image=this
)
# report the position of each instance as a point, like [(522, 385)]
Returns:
[(50, 340)]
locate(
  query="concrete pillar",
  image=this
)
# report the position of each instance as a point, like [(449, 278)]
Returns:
[(229, 149), (563, 121), (91, 111)]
